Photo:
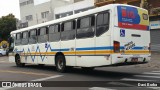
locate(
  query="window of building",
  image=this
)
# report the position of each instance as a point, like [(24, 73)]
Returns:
[(24, 38), (29, 17), (43, 35), (102, 23), (68, 30), (26, 2), (85, 27), (44, 14), (54, 33), (33, 36)]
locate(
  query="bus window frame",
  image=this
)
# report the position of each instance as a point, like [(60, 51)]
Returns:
[(29, 36), (59, 32), (90, 26), (39, 34), (73, 28), (108, 25), (18, 39)]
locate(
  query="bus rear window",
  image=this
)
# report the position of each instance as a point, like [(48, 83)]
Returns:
[(145, 16)]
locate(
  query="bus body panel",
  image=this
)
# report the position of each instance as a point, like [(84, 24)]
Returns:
[(95, 51), (68, 49), (31, 54), (84, 50), (54, 47), (24, 48), (132, 32)]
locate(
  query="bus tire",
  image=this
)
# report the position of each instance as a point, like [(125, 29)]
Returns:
[(18, 61), (1, 55), (60, 63)]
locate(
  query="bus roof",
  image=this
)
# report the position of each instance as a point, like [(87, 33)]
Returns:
[(74, 16)]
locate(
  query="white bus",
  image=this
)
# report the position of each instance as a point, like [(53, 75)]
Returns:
[(114, 34)]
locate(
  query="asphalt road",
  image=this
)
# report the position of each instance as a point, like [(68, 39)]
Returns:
[(104, 78)]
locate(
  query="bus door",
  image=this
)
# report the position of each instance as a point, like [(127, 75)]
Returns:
[(85, 41), (24, 46), (103, 37), (42, 46), (32, 47), (68, 30)]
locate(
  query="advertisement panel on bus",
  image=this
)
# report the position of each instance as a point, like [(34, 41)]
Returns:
[(133, 18)]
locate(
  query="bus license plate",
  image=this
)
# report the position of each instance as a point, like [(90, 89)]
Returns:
[(134, 60)]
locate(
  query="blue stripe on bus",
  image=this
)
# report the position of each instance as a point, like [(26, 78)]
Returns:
[(93, 48), (59, 49)]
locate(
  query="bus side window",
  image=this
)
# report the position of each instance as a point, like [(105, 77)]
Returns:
[(102, 23), (68, 30), (54, 32), (24, 38), (85, 27), (18, 39), (43, 35), (33, 36)]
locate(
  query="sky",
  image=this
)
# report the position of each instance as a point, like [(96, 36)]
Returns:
[(9, 6)]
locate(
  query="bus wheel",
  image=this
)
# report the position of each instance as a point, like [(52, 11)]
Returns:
[(18, 62), (88, 68), (60, 63)]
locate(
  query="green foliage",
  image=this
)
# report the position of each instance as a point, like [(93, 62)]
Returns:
[(7, 24)]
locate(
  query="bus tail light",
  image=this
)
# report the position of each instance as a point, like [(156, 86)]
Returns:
[(116, 46)]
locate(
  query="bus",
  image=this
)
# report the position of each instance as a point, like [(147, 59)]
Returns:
[(115, 34)]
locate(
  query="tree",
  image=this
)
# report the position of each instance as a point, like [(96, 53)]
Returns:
[(7, 24)]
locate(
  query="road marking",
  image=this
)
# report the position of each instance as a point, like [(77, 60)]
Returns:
[(147, 76), (28, 73), (155, 88), (156, 71), (5, 62), (47, 78), (120, 83), (100, 88), (41, 79), (130, 79), (152, 73)]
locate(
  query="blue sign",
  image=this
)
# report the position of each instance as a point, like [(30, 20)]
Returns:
[(122, 33)]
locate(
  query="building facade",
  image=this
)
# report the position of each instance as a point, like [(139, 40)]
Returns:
[(32, 14), (74, 8)]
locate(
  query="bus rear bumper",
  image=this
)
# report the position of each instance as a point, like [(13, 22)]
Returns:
[(132, 59)]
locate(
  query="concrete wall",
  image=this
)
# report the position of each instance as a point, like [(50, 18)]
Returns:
[(36, 10), (73, 7)]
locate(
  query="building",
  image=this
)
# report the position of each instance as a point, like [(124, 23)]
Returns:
[(74, 8), (32, 13)]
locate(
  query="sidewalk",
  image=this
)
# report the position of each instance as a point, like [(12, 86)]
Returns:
[(154, 63)]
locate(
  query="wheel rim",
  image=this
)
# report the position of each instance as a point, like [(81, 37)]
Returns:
[(60, 64)]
